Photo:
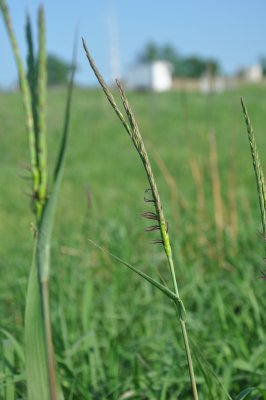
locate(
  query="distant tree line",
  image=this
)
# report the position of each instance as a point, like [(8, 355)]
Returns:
[(190, 67), (263, 65), (58, 70)]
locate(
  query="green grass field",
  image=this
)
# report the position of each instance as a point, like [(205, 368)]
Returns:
[(115, 337)]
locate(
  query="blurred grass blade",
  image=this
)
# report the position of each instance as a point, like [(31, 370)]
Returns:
[(35, 349), (257, 169), (244, 393), (61, 152), (158, 285), (9, 360), (208, 372), (32, 77), (41, 107), (43, 248), (18, 348)]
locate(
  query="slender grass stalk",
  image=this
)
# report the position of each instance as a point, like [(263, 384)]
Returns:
[(197, 173), (134, 133), (257, 169), (40, 365), (42, 81), (176, 197), (32, 78), (217, 197), (9, 360), (232, 186), (26, 97)]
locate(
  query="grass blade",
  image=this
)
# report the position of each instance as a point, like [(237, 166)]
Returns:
[(8, 353), (61, 152), (35, 349), (32, 78), (41, 84), (18, 348), (244, 393), (148, 278)]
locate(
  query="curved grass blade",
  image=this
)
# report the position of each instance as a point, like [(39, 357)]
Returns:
[(246, 392), (61, 152), (148, 278), (18, 348)]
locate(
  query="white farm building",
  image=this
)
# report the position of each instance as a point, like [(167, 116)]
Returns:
[(156, 76)]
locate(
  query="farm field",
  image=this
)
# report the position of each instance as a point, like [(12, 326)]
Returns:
[(115, 336)]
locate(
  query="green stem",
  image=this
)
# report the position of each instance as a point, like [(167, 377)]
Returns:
[(189, 359), (180, 312), (41, 144)]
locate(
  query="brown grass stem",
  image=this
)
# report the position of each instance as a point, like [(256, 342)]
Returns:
[(217, 196)]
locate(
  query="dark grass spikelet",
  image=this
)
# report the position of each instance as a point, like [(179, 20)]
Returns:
[(149, 215)]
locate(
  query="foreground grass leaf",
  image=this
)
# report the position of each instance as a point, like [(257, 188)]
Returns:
[(9, 361), (35, 350), (148, 278), (38, 337)]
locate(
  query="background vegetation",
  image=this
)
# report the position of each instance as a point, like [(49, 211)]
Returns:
[(192, 66), (113, 335)]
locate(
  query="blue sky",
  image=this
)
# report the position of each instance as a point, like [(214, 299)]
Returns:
[(232, 31)]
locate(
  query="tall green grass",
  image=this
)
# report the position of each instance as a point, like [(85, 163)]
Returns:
[(257, 170), (157, 217), (114, 338), (40, 364), (113, 335)]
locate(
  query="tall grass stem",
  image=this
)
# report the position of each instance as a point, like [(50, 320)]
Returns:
[(133, 131)]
